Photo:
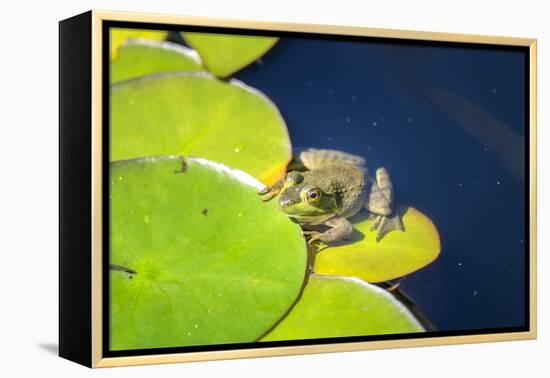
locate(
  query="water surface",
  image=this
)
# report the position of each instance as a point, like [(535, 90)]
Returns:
[(448, 123)]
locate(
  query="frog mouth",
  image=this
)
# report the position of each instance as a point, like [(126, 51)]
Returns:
[(309, 219)]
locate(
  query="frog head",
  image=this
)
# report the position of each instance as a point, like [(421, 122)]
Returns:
[(305, 202)]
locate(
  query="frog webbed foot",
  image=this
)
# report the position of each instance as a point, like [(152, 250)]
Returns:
[(271, 191), (380, 205), (268, 192), (384, 224)]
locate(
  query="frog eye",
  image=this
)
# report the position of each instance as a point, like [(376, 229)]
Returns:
[(313, 195)]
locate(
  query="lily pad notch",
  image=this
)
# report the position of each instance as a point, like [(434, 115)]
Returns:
[(225, 54)]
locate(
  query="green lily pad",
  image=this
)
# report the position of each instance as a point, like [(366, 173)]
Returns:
[(224, 54), (195, 257), (332, 306), (120, 35), (140, 57), (193, 113), (397, 254)]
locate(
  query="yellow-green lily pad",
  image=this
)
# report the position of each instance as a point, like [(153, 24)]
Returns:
[(224, 54), (118, 36), (195, 257), (140, 57), (332, 306), (396, 255), (194, 113)]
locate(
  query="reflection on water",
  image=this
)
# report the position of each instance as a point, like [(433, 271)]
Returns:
[(448, 124), (501, 140), (497, 137)]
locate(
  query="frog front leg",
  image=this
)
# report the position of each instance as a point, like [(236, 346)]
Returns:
[(271, 191), (340, 228), (380, 204)]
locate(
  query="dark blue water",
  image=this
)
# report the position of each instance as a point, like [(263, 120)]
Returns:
[(448, 123)]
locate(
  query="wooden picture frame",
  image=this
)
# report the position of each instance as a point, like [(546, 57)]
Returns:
[(85, 141)]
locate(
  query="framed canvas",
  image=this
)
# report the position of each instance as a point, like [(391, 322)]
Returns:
[(236, 188)]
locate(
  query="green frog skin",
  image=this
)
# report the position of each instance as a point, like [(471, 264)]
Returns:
[(333, 187)]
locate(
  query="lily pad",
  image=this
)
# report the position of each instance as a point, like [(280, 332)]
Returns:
[(195, 257), (140, 57), (332, 306), (397, 254), (193, 113), (120, 35), (224, 54)]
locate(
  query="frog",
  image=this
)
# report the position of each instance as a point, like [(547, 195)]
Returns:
[(326, 187)]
